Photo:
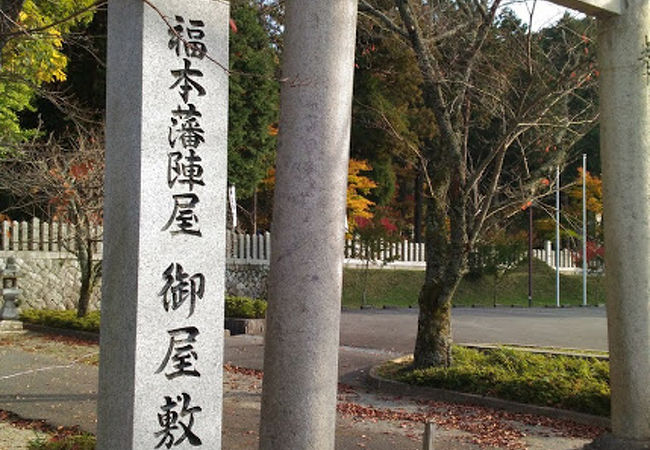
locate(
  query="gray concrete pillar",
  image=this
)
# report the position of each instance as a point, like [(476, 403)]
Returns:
[(301, 349), (625, 146)]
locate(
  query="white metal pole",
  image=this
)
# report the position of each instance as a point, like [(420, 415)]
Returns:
[(584, 229), (557, 237)]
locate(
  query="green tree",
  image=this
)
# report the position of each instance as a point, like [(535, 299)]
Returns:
[(390, 122), (32, 34), (254, 97)]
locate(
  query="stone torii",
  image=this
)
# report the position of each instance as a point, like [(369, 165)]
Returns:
[(300, 361), (624, 60)]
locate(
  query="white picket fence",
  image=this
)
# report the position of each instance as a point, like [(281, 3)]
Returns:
[(38, 236), (248, 249)]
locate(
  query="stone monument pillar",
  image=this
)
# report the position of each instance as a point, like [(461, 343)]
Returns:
[(160, 374), (624, 61), (301, 345)]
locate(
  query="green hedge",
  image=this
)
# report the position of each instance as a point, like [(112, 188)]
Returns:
[(245, 308), (579, 384), (240, 307), (62, 319)]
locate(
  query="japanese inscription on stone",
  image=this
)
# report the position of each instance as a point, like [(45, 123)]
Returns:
[(180, 408), (189, 289), (167, 122)]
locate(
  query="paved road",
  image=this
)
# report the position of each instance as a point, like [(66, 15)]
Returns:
[(394, 330), (369, 337)]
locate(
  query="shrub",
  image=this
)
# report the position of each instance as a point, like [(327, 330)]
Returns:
[(579, 384), (62, 319), (245, 308), (240, 307)]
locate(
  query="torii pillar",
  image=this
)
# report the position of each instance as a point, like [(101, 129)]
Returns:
[(624, 60), (302, 335)]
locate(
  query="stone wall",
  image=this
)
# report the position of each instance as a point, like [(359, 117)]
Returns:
[(247, 280), (50, 280)]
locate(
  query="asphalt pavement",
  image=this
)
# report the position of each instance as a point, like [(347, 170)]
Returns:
[(394, 330)]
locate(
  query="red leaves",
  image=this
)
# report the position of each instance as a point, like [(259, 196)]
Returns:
[(362, 222), (388, 225), (233, 25)]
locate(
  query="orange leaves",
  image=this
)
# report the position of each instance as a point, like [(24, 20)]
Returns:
[(358, 206), (594, 191)]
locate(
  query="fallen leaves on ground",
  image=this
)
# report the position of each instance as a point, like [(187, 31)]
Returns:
[(243, 371), (488, 427)]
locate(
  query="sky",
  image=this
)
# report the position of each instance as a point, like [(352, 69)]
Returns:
[(546, 13)]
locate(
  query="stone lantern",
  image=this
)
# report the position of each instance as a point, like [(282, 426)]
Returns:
[(10, 292)]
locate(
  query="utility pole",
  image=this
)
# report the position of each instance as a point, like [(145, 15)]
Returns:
[(557, 237), (584, 229)]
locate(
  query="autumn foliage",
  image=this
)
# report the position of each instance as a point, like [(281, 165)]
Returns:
[(359, 186)]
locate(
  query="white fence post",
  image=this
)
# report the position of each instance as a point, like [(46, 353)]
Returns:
[(54, 236), (35, 242), (24, 235), (267, 244), (15, 235), (5, 235), (550, 258)]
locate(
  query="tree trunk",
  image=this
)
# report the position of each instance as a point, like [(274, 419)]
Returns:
[(255, 211), (84, 295), (446, 259), (433, 342), (364, 290), (85, 258), (417, 213)]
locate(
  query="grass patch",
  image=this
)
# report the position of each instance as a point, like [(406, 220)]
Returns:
[(68, 442), (389, 287), (578, 384), (62, 319)]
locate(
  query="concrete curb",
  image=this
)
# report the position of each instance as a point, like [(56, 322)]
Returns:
[(376, 382), (573, 353)]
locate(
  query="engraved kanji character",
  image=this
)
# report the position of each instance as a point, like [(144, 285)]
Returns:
[(170, 421), (185, 79), (180, 286), (183, 216), (181, 346)]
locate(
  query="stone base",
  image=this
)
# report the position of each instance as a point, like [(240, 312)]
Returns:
[(245, 326), (11, 326), (610, 442)]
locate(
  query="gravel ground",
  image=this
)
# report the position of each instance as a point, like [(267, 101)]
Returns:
[(15, 438)]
